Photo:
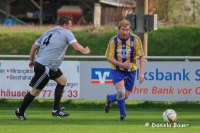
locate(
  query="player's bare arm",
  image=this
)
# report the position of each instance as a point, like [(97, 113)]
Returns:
[(141, 74), (126, 65), (33, 54), (80, 48)]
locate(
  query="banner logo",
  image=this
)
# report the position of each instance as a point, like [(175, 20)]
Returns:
[(101, 76)]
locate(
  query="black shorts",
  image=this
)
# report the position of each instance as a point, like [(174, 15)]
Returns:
[(42, 76)]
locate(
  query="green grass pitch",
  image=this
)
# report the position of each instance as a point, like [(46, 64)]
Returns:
[(89, 121)]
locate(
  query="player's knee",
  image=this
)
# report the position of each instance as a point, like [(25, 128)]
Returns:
[(35, 92), (62, 80), (127, 94), (120, 92)]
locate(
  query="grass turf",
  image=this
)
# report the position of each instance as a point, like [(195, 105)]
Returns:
[(96, 121)]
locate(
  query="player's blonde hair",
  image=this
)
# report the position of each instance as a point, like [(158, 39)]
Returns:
[(124, 23)]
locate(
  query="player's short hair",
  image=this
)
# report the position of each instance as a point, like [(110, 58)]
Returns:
[(63, 20), (124, 23)]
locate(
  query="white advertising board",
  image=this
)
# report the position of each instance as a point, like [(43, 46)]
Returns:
[(16, 75), (92, 80), (164, 81)]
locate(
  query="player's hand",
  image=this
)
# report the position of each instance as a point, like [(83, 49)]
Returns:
[(141, 77), (127, 65), (87, 50), (31, 64)]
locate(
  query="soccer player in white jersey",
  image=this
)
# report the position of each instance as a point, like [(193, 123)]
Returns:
[(51, 47)]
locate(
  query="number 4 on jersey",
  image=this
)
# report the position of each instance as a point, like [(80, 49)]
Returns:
[(46, 41)]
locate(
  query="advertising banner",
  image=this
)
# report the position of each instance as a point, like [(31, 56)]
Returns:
[(164, 81), (16, 75), (92, 80)]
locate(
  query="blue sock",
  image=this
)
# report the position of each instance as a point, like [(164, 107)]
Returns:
[(122, 107), (112, 97)]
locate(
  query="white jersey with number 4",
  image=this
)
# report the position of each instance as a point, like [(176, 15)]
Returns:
[(53, 45)]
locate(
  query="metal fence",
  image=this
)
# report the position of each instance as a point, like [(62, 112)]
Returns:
[(185, 58)]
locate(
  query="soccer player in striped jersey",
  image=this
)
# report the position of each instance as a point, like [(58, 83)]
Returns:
[(51, 47), (122, 53)]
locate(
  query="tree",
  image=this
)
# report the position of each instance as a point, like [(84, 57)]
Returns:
[(189, 11), (164, 8)]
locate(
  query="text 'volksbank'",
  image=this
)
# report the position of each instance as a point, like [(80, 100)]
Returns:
[(104, 75)]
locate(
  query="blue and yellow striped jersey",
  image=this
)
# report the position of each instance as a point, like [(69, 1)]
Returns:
[(124, 50)]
